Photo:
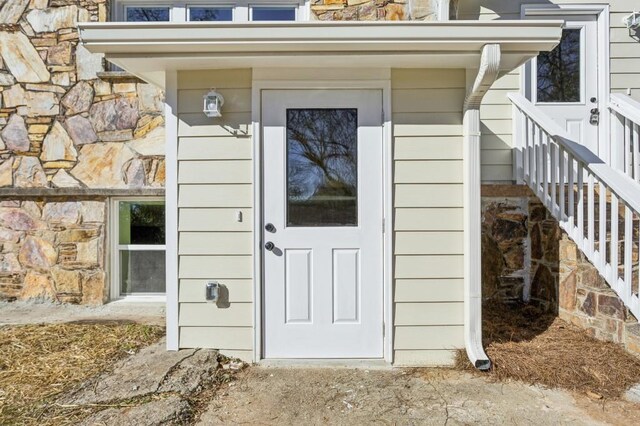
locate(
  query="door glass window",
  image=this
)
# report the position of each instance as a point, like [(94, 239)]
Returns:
[(272, 13), (210, 14), (322, 167), (141, 246), (559, 70), (144, 14)]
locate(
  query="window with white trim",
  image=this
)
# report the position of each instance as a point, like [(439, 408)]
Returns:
[(210, 10), (138, 259)]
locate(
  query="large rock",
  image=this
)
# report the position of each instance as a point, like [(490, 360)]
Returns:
[(22, 59), (12, 10), (93, 288), (88, 253), (88, 64), (151, 145), (38, 254), (67, 281), (78, 99), (41, 104), (62, 179), (92, 211), (14, 97), (64, 212), (80, 130), (53, 19), (135, 175), (37, 286), (6, 173), (60, 54), (114, 114), (58, 146), (101, 165), (29, 174), (151, 98), (15, 135), (17, 220)]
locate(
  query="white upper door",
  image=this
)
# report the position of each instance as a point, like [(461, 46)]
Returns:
[(323, 274), (564, 82)]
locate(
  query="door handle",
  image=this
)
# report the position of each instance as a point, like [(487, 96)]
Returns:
[(269, 246)]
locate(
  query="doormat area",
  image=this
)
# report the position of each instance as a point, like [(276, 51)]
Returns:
[(38, 362), (524, 343)]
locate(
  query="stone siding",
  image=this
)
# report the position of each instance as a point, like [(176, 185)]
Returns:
[(375, 10), (63, 127), (526, 257)]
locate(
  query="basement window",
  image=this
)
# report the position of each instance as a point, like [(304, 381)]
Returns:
[(138, 256), (210, 10)]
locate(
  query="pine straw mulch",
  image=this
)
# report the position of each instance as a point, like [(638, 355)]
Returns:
[(534, 347), (39, 362)]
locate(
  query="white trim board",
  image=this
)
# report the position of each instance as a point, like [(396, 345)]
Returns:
[(602, 11), (258, 85)]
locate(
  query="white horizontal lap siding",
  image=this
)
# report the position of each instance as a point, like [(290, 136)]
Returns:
[(496, 117), (428, 222), (214, 188)]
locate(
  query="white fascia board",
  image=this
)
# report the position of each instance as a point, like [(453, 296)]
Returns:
[(255, 37)]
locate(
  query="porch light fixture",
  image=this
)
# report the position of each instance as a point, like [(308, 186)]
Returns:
[(632, 21), (213, 102)]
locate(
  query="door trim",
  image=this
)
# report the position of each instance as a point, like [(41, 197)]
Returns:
[(383, 83), (601, 11)]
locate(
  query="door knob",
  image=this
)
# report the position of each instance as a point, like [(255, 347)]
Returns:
[(270, 228), (269, 246)]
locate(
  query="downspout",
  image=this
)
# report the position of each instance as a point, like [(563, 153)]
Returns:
[(487, 75)]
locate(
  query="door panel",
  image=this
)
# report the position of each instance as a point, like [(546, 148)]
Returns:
[(323, 280)]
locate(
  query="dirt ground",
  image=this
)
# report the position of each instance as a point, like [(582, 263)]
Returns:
[(283, 396), (33, 312)]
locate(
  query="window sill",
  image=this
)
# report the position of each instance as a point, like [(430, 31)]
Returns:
[(140, 299)]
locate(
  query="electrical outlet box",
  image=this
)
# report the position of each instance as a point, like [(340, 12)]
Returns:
[(212, 291)]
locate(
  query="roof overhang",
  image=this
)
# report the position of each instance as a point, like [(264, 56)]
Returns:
[(148, 50)]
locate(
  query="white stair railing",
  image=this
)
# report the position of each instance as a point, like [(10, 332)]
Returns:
[(595, 204), (625, 140)]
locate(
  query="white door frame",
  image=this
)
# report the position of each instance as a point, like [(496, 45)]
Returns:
[(540, 11), (381, 82)]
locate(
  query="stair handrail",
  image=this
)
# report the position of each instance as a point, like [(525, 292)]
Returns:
[(625, 187), (626, 106)]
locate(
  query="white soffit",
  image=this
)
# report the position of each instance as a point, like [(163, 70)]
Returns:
[(149, 49)]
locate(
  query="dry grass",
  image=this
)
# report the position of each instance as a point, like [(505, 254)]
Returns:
[(531, 346), (38, 362)]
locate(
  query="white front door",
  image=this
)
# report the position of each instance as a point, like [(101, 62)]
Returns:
[(564, 82), (323, 274)]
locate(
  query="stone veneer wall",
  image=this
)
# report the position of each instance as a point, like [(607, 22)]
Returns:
[(527, 257), (375, 10), (69, 139)]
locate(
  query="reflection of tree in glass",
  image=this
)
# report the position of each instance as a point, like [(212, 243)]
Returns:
[(147, 223), (322, 166), (559, 70), (322, 154), (147, 14), (210, 14)]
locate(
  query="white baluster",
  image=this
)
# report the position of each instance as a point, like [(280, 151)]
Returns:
[(591, 227), (603, 226)]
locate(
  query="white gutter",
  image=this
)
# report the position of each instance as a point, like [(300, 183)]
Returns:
[(487, 75)]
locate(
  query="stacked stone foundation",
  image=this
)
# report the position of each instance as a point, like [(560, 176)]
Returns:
[(526, 257)]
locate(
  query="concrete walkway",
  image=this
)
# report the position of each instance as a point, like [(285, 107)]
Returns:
[(31, 312), (311, 396)]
